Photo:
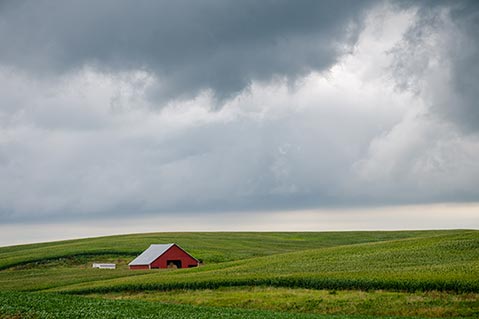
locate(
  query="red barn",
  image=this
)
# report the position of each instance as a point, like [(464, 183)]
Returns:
[(164, 256)]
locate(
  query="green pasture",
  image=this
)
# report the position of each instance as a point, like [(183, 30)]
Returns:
[(447, 262), (330, 273), (208, 247), (331, 302)]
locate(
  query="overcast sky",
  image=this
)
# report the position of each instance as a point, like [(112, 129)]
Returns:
[(236, 111)]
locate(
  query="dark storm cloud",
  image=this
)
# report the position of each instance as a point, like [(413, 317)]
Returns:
[(465, 65), (456, 24), (189, 45)]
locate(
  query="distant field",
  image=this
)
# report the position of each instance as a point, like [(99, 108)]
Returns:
[(418, 273), (209, 247), (446, 262)]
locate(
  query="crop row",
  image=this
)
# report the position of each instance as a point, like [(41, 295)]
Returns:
[(52, 306), (295, 282)]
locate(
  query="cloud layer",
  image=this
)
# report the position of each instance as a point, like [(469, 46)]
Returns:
[(189, 45), (157, 108)]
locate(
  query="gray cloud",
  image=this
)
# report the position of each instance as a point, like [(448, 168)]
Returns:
[(444, 36), (81, 134), (465, 65), (189, 45)]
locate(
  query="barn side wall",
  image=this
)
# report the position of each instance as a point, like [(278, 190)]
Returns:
[(174, 253), (139, 267)]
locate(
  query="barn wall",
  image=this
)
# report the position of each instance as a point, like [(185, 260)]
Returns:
[(174, 253), (139, 267)]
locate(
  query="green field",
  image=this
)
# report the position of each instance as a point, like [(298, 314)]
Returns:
[(423, 274)]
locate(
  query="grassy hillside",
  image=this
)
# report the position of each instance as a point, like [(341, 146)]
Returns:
[(49, 265), (377, 263), (209, 247), (442, 262)]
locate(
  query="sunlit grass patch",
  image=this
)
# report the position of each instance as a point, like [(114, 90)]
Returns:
[(344, 302)]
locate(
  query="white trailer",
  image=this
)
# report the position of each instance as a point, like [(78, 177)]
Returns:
[(104, 266)]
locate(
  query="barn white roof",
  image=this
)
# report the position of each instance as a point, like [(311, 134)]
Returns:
[(150, 254)]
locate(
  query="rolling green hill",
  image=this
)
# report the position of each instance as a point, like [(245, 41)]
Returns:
[(209, 247), (409, 263), (443, 262)]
